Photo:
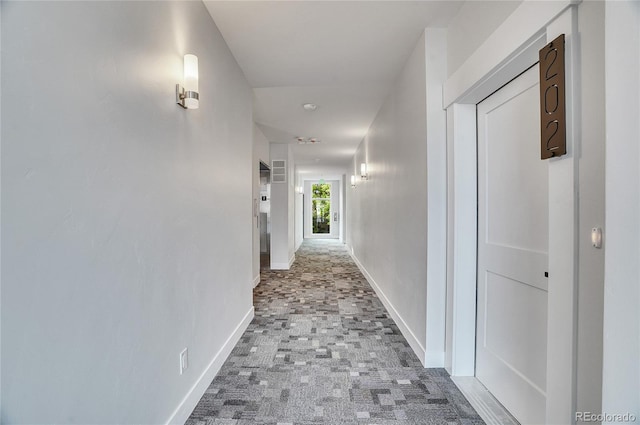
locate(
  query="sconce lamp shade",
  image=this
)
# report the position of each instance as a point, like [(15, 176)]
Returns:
[(191, 80), (363, 171), (353, 181), (187, 96)]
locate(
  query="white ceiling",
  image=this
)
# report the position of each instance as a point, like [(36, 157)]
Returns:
[(341, 55)]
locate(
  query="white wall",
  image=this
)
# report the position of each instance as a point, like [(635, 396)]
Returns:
[(128, 218), (1, 408), (298, 214), (387, 214), (343, 209), (291, 241), (260, 154), (621, 372), (591, 208), (436, 73), (282, 211), (475, 21)]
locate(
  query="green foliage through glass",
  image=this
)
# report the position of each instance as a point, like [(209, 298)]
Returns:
[(321, 208), (322, 191)]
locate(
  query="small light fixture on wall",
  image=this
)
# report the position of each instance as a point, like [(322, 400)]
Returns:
[(300, 190), (363, 171), (188, 96), (353, 181)]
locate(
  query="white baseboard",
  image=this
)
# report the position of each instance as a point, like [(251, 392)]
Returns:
[(256, 280), (402, 325), (189, 402), (350, 251), (292, 259)]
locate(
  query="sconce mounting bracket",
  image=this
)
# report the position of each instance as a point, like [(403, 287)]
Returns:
[(181, 95)]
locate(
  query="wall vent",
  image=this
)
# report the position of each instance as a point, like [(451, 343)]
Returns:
[(278, 171)]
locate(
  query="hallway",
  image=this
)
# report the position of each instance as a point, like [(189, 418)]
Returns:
[(323, 350), (133, 289)]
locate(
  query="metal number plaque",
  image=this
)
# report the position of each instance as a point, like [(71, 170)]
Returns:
[(553, 127)]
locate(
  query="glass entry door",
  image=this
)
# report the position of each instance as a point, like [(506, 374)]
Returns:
[(321, 208)]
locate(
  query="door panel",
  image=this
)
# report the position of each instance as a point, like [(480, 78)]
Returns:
[(511, 345), (320, 216), (516, 352), (516, 180)]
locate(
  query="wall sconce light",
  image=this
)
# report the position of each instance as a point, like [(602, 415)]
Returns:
[(300, 190), (363, 171), (187, 96), (353, 181)]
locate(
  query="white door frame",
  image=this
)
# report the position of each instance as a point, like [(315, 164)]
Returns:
[(509, 51)]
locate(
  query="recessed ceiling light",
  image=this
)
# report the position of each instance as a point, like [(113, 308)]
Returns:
[(310, 106)]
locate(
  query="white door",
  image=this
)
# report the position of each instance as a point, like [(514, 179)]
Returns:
[(513, 223)]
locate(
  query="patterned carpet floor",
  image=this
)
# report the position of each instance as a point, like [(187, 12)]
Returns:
[(322, 349)]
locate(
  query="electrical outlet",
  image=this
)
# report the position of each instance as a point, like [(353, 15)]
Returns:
[(184, 360)]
